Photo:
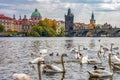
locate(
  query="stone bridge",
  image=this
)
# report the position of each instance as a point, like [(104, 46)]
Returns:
[(106, 32)]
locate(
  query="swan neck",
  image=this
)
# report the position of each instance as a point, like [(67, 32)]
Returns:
[(39, 70), (99, 55), (63, 64), (110, 67), (111, 48), (79, 48)]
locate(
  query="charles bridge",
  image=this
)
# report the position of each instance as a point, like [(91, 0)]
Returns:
[(101, 32)]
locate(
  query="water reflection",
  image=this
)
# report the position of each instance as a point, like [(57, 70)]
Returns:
[(68, 44), (92, 44)]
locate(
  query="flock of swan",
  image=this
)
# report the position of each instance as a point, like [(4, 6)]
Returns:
[(42, 66)]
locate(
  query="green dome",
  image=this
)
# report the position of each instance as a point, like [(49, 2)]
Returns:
[(36, 13)]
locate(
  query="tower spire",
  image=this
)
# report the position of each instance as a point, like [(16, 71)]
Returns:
[(69, 11), (20, 17), (92, 16), (24, 16), (36, 10), (92, 20), (13, 16)]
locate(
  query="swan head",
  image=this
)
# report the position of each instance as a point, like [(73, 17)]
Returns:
[(112, 43), (95, 67), (64, 55)]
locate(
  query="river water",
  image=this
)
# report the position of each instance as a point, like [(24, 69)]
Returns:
[(15, 55)]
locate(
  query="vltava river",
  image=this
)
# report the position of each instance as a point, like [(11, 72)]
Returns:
[(15, 55)]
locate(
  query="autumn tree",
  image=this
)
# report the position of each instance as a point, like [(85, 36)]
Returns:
[(46, 28)]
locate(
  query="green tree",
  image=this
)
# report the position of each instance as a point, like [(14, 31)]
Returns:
[(35, 34), (1, 28), (45, 28), (62, 33), (97, 26)]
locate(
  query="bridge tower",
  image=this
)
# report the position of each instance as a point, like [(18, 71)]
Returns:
[(69, 24)]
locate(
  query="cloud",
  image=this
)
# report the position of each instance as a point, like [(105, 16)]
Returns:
[(9, 12)]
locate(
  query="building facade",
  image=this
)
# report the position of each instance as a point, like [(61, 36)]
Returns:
[(20, 25)]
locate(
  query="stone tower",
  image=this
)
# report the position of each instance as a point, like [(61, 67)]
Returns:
[(92, 20), (69, 23)]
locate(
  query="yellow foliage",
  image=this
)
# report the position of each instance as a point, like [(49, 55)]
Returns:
[(51, 23)]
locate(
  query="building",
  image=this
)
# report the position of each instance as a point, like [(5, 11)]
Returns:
[(106, 26), (20, 25), (7, 22), (36, 16), (69, 23), (60, 24)]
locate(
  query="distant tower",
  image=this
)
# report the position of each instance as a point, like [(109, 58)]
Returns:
[(69, 19), (92, 20), (20, 17), (14, 16)]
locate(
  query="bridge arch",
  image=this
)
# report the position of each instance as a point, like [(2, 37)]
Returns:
[(116, 33), (84, 33), (102, 33), (88, 33)]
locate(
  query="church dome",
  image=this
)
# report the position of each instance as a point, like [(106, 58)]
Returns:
[(36, 14)]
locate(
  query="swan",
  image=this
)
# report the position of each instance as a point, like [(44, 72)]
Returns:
[(84, 59), (36, 60), (22, 76), (97, 72), (52, 68), (116, 58), (115, 64), (101, 72), (94, 61), (43, 51), (113, 48), (103, 49)]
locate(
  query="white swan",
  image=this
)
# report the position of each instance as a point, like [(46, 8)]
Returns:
[(101, 72), (22, 76), (43, 51), (36, 60), (94, 61), (114, 64), (85, 59), (115, 57), (53, 68)]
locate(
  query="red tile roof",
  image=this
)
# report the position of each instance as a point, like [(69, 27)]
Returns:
[(5, 17)]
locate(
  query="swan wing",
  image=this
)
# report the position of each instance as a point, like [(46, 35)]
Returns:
[(35, 61), (100, 73), (55, 68), (117, 58)]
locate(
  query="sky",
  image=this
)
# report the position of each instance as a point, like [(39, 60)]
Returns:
[(104, 10)]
